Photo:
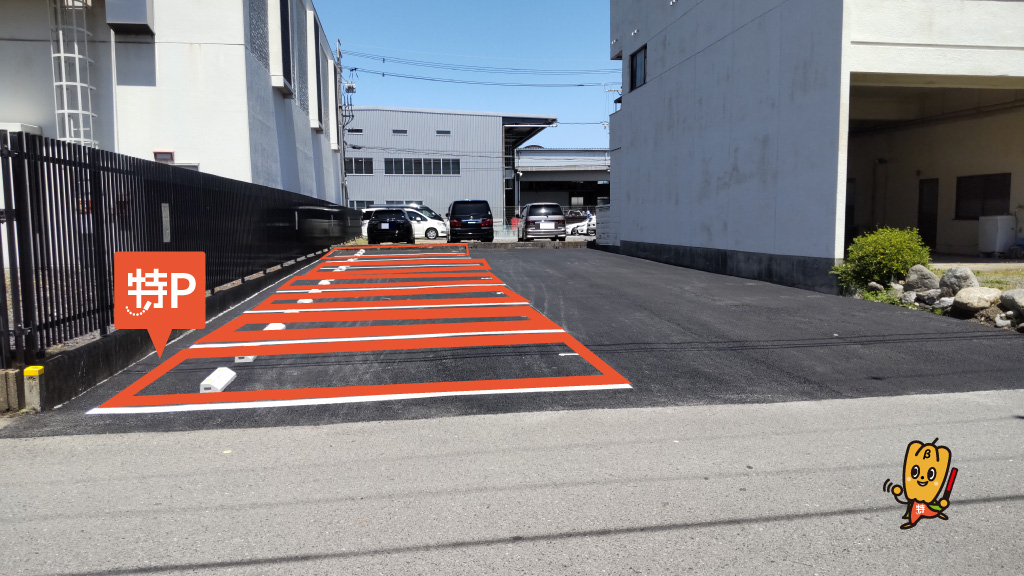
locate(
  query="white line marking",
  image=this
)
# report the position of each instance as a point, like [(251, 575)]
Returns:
[(305, 301), (324, 282), (568, 354), (275, 326), (418, 287), (375, 338), (342, 400), (387, 308)]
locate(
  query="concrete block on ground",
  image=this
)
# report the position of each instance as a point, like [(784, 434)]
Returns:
[(10, 381)]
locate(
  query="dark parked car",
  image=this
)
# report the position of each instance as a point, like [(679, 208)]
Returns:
[(541, 220), (470, 220), (390, 225)]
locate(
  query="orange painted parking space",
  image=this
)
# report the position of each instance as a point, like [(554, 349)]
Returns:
[(317, 312)]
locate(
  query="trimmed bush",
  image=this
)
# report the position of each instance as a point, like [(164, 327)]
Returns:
[(882, 256)]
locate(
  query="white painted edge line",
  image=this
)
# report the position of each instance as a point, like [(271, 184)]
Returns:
[(475, 305), (568, 354), (322, 290), (435, 254), (374, 338), (402, 258), (355, 268), (340, 400)]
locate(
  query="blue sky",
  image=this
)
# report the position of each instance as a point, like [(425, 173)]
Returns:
[(534, 34)]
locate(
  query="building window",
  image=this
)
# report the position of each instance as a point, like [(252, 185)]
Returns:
[(397, 132), (984, 195), (356, 131), (358, 165), (638, 68), (577, 201), (360, 204), (444, 132), (319, 73), (286, 39), (423, 166)]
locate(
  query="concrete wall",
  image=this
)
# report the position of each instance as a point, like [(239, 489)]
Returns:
[(476, 139), (972, 38), (736, 142), (988, 144)]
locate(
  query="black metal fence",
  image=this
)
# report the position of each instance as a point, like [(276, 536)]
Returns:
[(67, 210)]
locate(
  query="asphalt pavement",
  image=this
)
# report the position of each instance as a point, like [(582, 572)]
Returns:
[(678, 336)]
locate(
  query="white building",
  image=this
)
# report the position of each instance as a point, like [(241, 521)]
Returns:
[(432, 157), (756, 136), (239, 88)]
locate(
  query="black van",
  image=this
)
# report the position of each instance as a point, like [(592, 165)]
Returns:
[(470, 220)]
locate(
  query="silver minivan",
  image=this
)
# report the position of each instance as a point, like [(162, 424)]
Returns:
[(541, 220)]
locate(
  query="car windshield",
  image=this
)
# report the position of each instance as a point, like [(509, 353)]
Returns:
[(545, 210), (471, 209), (382, 214), (367, 214)]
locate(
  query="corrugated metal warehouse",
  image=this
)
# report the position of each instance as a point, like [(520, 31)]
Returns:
[(435, 156)]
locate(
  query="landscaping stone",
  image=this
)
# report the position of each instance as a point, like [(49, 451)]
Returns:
[(943, 303), (920, 278), (976, 299), (929, 297), (895, 290), (956, 279), (875, 287), (1020, 327), (1014, 300), (1002, 322), (908, 298)]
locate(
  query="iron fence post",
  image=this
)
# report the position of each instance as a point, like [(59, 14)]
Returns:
[(103, 284), (25, 337)]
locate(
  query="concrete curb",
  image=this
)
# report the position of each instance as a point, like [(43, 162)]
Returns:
[(71, 372)]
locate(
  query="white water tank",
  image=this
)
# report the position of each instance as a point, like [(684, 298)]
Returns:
[(996, 233)]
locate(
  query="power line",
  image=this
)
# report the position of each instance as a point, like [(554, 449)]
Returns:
[(481, 69), (478, 82)]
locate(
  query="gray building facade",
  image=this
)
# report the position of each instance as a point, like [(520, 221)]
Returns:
[(396, 155)]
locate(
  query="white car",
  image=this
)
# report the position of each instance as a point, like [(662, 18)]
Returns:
[(426, 227), (582, 228)]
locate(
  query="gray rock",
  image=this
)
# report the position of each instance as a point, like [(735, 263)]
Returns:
[(921, 278), (896, 290), (1002, 322), (956, 279), (908, 298), (1020, 327), (1014, 300), (929, 297), (976, 299), (943, 303), (875, 287)]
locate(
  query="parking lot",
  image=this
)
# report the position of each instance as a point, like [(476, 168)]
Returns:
[(676, 336)]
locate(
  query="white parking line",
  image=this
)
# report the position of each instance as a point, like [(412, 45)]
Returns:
[(341, 400), (389, 288), (387, 307), (375, 338)]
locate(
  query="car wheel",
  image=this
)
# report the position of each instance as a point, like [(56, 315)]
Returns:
[(491, 239), (575, 232), (430, 234)]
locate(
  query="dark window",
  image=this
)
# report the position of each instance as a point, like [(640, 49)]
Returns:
[(389, 165), (286, 39), (444, 132), (984, 195), (437, 165), (382, 214), (319, 79), (545, 210), (417, 166), (446, 166), (470, 208), (638, 68), (428, 166), (355, 130), (408, 165), (400, 132), (358, 165), (456, 166)]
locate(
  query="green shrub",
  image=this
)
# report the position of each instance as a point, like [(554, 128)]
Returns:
[(883, 256)]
